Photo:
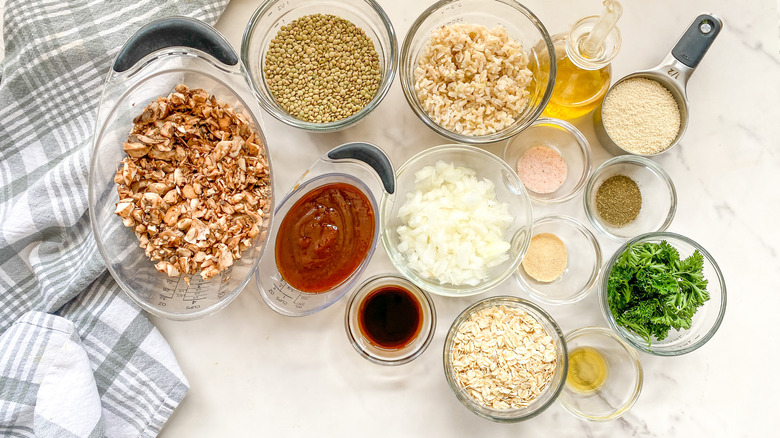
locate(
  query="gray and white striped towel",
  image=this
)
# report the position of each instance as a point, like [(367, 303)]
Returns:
[(77, 357)]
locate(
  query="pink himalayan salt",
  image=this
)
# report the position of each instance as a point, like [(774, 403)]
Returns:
[(542, 169)]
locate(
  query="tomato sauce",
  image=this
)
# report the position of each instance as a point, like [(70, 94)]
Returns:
[(324, 237)]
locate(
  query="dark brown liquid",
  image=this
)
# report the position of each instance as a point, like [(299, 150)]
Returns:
[(390, 317)]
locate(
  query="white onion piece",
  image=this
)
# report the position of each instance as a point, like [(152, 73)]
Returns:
[(453, 226)]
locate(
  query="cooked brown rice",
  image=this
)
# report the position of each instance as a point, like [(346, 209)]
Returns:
[(472, 80)]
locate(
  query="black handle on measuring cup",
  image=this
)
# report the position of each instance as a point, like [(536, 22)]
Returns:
[(697, 39), (371, 155), (171, 32)]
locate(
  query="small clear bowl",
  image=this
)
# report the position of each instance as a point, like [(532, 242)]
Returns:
[(583, 267), (271, 15), (623, 382), (550, 392), (375, 353), (659, 197), (509, 189), (564, 138), (705, 322), (521, 24)]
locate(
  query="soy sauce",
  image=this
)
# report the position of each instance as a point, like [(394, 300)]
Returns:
[(390, 317)]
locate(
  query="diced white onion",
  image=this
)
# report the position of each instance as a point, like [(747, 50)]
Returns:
[(453, 226)]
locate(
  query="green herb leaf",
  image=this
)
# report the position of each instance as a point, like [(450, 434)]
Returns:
[(650, 290)]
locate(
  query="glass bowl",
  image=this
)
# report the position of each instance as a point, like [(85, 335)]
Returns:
[(271, 15), (319, 251), (547, 396), (705, 322), (509, 190), (583, 267), (393, 355), (621, 385), (565, 139), (521, 24), (125, 95), (659, 197)]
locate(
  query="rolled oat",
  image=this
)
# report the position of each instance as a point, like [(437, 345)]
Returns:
[(503, 358)]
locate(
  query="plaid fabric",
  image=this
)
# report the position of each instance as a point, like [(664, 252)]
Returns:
[(62, 317)]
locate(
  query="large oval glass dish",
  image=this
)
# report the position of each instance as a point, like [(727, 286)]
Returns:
[(126, 93)]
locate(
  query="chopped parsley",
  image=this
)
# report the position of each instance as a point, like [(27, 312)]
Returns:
[(650, 290)]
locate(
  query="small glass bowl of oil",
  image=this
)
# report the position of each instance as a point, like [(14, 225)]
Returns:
[(604, 377)]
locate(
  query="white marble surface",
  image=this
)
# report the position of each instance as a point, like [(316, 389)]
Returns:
[(256, 373)]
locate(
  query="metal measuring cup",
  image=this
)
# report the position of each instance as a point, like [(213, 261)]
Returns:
[(673, 73)]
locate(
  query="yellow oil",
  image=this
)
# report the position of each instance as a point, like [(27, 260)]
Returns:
[(587, 370), (577, 91)]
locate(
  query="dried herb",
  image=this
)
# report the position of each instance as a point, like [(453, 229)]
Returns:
[(618, 200)]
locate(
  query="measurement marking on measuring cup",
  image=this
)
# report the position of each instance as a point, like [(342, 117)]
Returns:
[(224, 280), (300, 301), (195, 295), (169, 288), (280, 288)]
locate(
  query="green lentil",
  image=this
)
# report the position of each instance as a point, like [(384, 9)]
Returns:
[(618, 200), (322, 68)]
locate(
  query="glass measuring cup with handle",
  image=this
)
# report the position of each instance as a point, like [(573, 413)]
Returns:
[(161, 55), (361, 165), (673, 73)]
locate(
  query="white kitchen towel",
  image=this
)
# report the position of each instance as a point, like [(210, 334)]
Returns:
[(77, 357), (66, 399)]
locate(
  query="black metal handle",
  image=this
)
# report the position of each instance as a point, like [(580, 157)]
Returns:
[(172, 32), (371, 155), (697, 39)]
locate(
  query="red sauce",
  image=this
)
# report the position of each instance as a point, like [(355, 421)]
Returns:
[(390, 317), (324, 237)]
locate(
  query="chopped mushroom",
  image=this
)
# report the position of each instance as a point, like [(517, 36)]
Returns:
[(195, 185)]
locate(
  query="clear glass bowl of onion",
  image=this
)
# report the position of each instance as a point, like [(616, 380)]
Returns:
[(460, 222)]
